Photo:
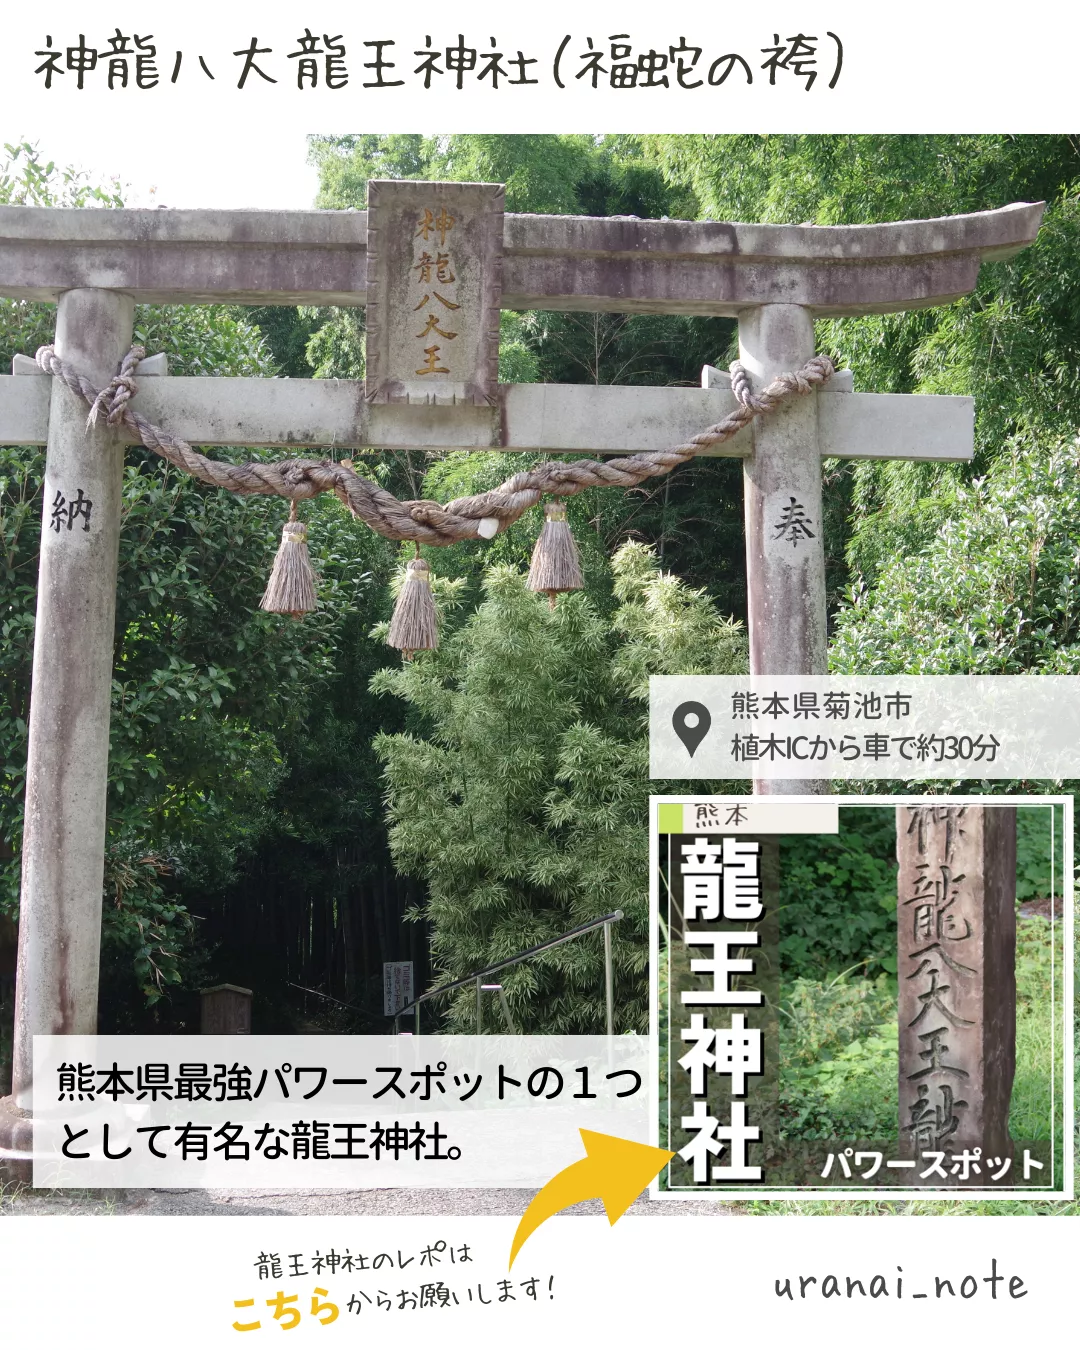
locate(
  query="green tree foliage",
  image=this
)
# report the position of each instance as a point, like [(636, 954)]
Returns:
[(994, 591), (838, 898), (550, 174), (26, 181), (1014, 343), (519, 791)]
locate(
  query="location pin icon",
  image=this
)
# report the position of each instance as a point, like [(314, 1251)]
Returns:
[(691, 723)]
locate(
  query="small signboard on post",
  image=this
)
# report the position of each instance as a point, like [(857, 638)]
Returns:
[(397, 986)]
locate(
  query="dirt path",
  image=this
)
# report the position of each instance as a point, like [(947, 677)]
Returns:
[(318, 1202)]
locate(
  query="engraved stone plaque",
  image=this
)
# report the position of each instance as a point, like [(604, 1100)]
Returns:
[(433, 286)]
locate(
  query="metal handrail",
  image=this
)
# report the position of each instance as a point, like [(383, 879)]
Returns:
[(477, 976)]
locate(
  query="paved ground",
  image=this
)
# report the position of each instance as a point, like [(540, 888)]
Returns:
[(320, 1202)]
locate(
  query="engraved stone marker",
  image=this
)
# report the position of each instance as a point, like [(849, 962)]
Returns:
[(434, 285), (956, 953)]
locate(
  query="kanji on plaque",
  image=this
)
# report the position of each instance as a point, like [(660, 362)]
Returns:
[(434, 286)]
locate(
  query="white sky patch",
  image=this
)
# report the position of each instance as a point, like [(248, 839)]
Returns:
[(175, 166)]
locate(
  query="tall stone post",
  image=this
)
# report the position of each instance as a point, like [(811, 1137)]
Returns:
[(956, 955), (64, 838), (785, 552)]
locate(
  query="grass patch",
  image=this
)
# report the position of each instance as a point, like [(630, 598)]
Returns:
[(839, 1074)]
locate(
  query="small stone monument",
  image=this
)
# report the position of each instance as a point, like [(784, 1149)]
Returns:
[(226, 1010)]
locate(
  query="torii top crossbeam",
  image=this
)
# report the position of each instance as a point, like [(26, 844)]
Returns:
[(616, 264)]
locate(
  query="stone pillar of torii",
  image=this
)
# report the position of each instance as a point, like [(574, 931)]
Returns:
[(434, 263)]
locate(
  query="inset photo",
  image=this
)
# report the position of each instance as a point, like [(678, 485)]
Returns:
[(863, 994)]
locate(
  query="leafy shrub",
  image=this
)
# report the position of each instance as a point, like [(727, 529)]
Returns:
[(1033, 873), (839, 1059), (838, 896), (520, 796)]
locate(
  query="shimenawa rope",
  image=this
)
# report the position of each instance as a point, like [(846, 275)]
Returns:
[(425, 522)]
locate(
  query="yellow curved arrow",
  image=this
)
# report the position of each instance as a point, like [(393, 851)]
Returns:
[(613, 1170)]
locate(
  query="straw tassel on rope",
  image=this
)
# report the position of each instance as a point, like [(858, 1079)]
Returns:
[(555, 566), (291, 588), (415, 625)]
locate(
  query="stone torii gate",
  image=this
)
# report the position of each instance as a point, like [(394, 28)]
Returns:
[(432, 384)]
